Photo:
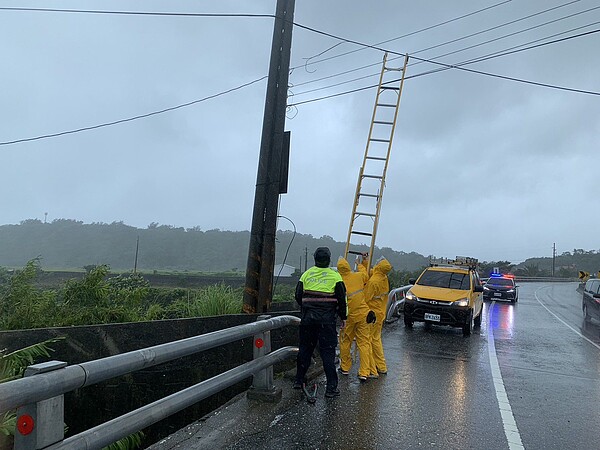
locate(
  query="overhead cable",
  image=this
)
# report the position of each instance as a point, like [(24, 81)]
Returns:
[(497, 53), (133, 13), (460, 67), (129, 119), (412, 33), (445, 66)]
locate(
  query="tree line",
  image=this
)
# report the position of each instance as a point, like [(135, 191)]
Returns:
[(66, 244)]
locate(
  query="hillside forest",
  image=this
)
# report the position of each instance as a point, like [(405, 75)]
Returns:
[(66, 244)]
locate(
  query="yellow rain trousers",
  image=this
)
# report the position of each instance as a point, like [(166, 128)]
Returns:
[(376, 294), (356, 324)]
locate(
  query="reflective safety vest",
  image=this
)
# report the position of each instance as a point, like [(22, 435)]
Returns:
[(320, 280)]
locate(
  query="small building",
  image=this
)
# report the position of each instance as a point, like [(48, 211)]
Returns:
[(283, 270)]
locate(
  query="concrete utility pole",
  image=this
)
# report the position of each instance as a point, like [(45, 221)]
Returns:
[(261, 254)]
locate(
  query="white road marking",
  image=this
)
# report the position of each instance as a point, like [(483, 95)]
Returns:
[(508, 421), (562, 321)]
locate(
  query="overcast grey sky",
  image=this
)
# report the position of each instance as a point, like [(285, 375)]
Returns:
[(480, 166)]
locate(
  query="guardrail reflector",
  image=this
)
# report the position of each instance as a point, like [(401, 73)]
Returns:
[(25, 424)]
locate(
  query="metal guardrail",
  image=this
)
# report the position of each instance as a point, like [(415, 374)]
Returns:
[(39, 400), (544, 279)]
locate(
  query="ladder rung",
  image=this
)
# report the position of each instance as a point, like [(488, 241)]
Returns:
[(394, 69), (378, 158), (390, 105), (379, 177), (369, 195), (379, 140), (390, 88), (353, 252), (382, 122), (362, 233), (364, 214)]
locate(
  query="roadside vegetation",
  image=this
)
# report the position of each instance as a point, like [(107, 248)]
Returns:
[(98, 298)]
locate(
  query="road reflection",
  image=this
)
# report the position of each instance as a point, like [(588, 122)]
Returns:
[(502, 319)]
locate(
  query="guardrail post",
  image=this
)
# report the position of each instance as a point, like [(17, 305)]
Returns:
[(41, 424), (262, 383)]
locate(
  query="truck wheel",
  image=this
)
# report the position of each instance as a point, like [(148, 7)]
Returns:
[(408, 322), (468, 326)]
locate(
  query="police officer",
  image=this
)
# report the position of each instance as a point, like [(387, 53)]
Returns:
[(322, 296)]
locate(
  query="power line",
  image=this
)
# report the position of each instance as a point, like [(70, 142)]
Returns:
[(456, 40), (464, 37), (498, 53), (129, 119), (412, 33), (458, 66), (133, 13), (446, 66)]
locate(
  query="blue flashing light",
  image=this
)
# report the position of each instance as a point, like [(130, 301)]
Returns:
[(496, 275)]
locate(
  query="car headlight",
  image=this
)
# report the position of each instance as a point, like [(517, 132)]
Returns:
[(485, 288), (511, 290), (461, 302), (411, 296)]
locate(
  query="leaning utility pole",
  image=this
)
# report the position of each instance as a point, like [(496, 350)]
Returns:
[(261, 253)]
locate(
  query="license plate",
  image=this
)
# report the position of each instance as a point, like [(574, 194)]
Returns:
[(497, 294), (433, 317)]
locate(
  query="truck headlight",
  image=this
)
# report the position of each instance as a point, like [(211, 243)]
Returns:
[(411, 296), (461, 302)]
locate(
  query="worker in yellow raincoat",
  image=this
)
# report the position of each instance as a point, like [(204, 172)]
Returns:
[(356, 324), (376, 294)]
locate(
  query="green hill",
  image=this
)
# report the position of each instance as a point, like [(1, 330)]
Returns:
[(69, 244)]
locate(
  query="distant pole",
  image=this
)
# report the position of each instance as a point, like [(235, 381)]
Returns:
[(553, 257), (305, 258), (45, 216), (137, 247), (258, 290)]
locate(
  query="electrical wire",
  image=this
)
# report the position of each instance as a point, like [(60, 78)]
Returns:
[(286, 252), (412, 33), (508, 51), (459, 67), (459, 50), (129, 119), (375, 47), (134, 13)]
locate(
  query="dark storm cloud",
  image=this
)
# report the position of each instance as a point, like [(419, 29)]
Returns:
[(463, 140)]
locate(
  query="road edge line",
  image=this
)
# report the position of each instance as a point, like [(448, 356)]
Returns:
[(511, 430), (563, 322)]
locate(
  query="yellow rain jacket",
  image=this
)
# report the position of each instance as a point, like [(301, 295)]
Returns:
[(376, 293), (355, 284), (356, 324), (378, 287)]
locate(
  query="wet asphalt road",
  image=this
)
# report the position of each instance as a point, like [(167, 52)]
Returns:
[(442, 391)]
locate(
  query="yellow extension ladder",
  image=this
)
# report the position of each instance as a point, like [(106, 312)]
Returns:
[(371, 177)]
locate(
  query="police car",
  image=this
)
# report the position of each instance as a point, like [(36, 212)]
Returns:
[(501, 287)]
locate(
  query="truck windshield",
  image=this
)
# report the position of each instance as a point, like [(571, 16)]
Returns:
[(448, 280)]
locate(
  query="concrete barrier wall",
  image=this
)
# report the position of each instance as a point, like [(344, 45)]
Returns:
[(90, 406)]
